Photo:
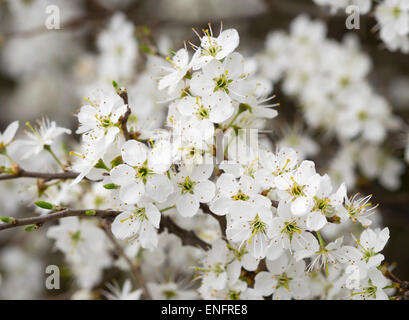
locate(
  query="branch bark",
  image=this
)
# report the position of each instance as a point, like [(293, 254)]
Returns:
[(220, 219), (124, 120), (189, 238), (21, 173), (40, 220)]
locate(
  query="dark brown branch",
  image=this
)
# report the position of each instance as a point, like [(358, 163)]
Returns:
[(135, 268), (21, 173), (220, 219), (40, 220), (401, 283), (124, 119), (189, 238)]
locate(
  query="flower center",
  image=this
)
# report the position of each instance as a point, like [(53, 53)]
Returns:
[(213, 48), (138, 214), (233, 295), (240, 196), (142, 172), (297, 190), (257, 226), (290, 228), (169, 294), (363, 115), (283, 281), (396, 11), (76, 237), (323, 206), (187, 186), (222, 82)]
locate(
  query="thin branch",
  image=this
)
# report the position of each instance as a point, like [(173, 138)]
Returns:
[(135, 268), (40, 220), (124, 119), (189, 238), (21, 173), (220, 219), (402, 284)]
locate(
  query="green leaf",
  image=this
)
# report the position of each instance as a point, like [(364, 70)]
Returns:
[(30, 228), (244, 107), (117, 161), (44, 205), (145, 48), (110, 186), (8, 219), (146, 30), (101, 165), (90, 212)]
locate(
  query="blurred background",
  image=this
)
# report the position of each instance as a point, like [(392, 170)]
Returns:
[(46, 72)]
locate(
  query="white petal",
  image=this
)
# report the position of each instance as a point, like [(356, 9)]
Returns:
[(153, 215), (300, 206), (132, 193), (9, 133), (122, 174), (187, 205), (205, 191), (234, 64), (202, 172), (229, 41), (134, 152), (316, 221), (159, 187), (264, 283), (125, 226)]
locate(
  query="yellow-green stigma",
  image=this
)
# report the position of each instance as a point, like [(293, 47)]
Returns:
[(187, 186)]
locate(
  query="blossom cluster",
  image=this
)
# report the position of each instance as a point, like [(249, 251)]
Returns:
[(336, 98), (273, 225), (392, 18)]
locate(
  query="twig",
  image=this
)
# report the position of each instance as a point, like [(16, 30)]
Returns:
[(220, 219), (402, 284), (187, 237), (40, 220), (135, 268), (124, 119), (21, 173)]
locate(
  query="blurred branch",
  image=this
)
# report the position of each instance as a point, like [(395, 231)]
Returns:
[(55, 215), (401, 285), (220, 219), (21, 173), (124, 120), (187, 237), (135, 268)]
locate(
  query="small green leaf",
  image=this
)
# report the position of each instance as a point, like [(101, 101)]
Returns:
[(145, 48), (101, 165), (146, 30), (44, 205), (30, 228), (117, 161), (8, 219), (90, 212), (110, 186), (244, 107)]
